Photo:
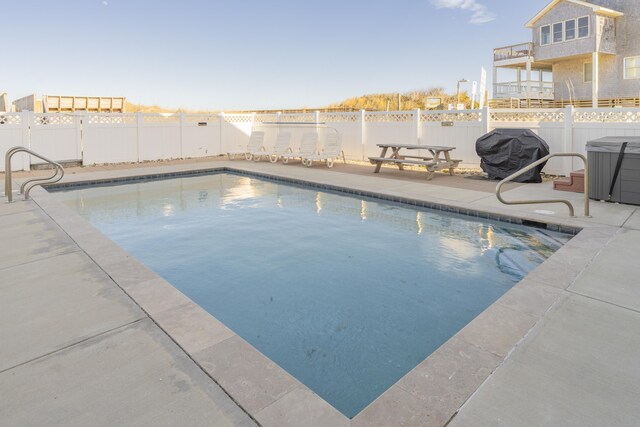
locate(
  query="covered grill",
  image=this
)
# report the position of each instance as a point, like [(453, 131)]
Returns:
[(506, 151)]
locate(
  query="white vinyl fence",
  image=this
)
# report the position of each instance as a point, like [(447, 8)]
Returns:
[(98, 138), (14, 131)]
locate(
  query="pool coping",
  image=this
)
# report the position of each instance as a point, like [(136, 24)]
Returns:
[(430, 394)]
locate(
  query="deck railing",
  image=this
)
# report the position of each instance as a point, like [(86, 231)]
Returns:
[(515, 101), (534, 89), (514, 51)]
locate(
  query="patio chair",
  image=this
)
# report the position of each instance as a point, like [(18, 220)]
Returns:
[(282, 146), (308, 147), (330, 153), (255, 144)]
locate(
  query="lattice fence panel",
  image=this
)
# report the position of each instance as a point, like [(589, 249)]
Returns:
[(261, 118), (541, 116), (112, 119), (339, 117), (11, 120), (610, 116), (53, 120), (388, 117), (300, 117), (238, 118), (447, 116), (159, 118), (199, 118)]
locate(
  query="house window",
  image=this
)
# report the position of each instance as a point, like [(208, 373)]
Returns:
[(557, 32), (583, 27), (545, 35), (587, 72), (570, 29), (632, 67)]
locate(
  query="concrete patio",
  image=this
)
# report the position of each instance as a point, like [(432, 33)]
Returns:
[(92, 337)]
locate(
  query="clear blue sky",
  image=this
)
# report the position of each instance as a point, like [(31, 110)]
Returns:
[(251, 54)]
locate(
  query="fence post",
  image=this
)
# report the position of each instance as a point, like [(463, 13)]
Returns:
[(84, 124), (139, 124), (221, 132), (486, 120), (79, 119), (568, 139), (316, 119), (181, 134), (417, 131), (278, 114), (26, 137), (253, 122), (26, 119), (363, 136), (316, 116)]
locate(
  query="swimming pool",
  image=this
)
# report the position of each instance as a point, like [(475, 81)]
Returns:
[(347, 294)]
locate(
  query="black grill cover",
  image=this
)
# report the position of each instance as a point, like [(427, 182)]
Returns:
[(506, 151)]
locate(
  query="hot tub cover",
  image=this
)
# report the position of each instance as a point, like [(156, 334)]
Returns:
[(506, 151), (612, 144)]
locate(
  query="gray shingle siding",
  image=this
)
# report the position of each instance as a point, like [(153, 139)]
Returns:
[(571, 71), (615, 39), (562, 12)]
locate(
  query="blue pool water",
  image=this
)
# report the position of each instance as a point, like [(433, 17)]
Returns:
[(346, 294)]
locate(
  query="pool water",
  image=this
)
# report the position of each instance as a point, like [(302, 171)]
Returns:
[(345, 293)]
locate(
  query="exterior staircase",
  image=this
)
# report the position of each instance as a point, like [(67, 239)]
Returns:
[(574, 182)]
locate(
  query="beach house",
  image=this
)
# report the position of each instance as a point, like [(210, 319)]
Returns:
[(585, 53)]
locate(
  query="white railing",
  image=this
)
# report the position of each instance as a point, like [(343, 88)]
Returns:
[(535, 90), (98, 138)]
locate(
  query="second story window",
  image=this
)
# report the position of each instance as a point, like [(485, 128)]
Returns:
[(570, 29), (632, 67), (583, 27), (558, 35), (545, 35)]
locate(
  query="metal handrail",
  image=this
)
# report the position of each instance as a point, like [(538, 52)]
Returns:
[(536, 163), (32, 182)]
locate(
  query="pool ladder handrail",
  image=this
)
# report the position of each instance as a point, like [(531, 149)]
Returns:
[(27, 185), (538, 162)]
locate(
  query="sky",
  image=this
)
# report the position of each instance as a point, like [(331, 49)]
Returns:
[(227, 55)]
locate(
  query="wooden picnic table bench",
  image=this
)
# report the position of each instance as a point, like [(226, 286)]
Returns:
[(432, 163)]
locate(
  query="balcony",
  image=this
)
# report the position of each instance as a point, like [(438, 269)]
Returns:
[(537, 90), (516, 51)]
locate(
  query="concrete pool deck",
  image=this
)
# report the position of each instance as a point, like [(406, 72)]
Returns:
[(86, 326)]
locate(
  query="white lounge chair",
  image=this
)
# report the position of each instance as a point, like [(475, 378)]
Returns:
[(308, 147), (282, 146), (332, 150), (256, 141)]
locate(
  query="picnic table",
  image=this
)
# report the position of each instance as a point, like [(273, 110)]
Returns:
[(433, 163)]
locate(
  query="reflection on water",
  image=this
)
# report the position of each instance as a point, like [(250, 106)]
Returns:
[(233, 195), (167, 209), (347, 294)]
